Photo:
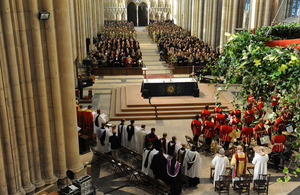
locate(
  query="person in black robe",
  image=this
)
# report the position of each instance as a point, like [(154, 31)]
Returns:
[(174, 175), (159, 165)]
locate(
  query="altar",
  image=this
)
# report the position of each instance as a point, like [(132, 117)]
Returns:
[(169, 87)]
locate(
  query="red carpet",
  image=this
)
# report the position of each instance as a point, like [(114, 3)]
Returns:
[(159, 76)]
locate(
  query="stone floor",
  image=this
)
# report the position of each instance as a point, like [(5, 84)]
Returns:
[(110, 183)]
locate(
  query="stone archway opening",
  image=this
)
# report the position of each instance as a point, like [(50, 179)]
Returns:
[(131, 13), (143, 14)]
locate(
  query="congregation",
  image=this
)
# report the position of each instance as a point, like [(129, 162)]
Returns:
[(116, 46), (178, 47)]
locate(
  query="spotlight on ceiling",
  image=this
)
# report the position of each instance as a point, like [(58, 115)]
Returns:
[(44, 15)]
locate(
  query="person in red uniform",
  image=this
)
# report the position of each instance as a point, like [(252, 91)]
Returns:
[(225, 130), (209, 131), (275, 100), (218, 108), (278, 142), (196, 129), (246, 134), (88, 121), (129, 62), (249, 115), (251, 99), (236, 111), (80, 112), (259, 107), (259, 131), (219, 120), (236, 122), (205, 113), (280, 122)]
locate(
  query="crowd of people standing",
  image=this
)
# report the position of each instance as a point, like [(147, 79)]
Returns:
[(178, 47), (116, 46)]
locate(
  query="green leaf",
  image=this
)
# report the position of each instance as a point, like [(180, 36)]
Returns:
[(285, 170), (298, 170), (279, 180), (287, 178)]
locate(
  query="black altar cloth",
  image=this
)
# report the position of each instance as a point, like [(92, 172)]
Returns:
[(167, 87)]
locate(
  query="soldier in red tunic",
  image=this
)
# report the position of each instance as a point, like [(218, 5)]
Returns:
[(205, 113), (218, 109), (196, 129), (225, 130), (219, 120), (278, 142), (246, 134), (259, 131), (209, 131), (236, 111), (249, 114)]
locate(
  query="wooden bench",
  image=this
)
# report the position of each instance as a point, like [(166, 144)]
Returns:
[(212, 168)]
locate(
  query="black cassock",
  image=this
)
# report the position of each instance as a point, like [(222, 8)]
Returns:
[(159, 167), (174, 176)]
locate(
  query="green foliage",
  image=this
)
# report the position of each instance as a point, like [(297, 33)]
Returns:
[(281, 31), (247, 61)]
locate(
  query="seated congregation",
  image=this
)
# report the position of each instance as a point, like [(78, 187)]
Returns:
[(178, 48), (116, 46)]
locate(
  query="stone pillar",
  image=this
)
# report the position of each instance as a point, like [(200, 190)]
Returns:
[(201, 15), (83, 29), (55, 88), (16, 16), (234, 15), (12, 176), (267, 18), (31, 133), (224, 3), (49, 177), (66, 66), (214, 24), (16, 93), (260, 13), (3, 184)]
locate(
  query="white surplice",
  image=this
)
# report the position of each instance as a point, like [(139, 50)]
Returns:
[(192, 158), (147, 169), (220, 163), (107, 146), (101, 119), (123, 136), (261, 165), (140, 140), (132, 143)]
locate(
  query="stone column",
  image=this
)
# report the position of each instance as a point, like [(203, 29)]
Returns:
[(268, 10), (83, 29), (16, 93), (3, 184), (55, 88), (72, 22), (49, 177), (214, 23), (11, 159), (31, 133), (224, 3), (16, 14), (66, 66), (260, 13), (200, 25), (234, 15), (137, 15)]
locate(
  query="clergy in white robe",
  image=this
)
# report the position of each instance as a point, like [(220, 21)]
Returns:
[(220, 162), (122, 133), (192, 164), (173, 147), (147, 159), (164, 142), (98, 120), (260, 162), (103, 143), (140, 138), (131, 136)]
